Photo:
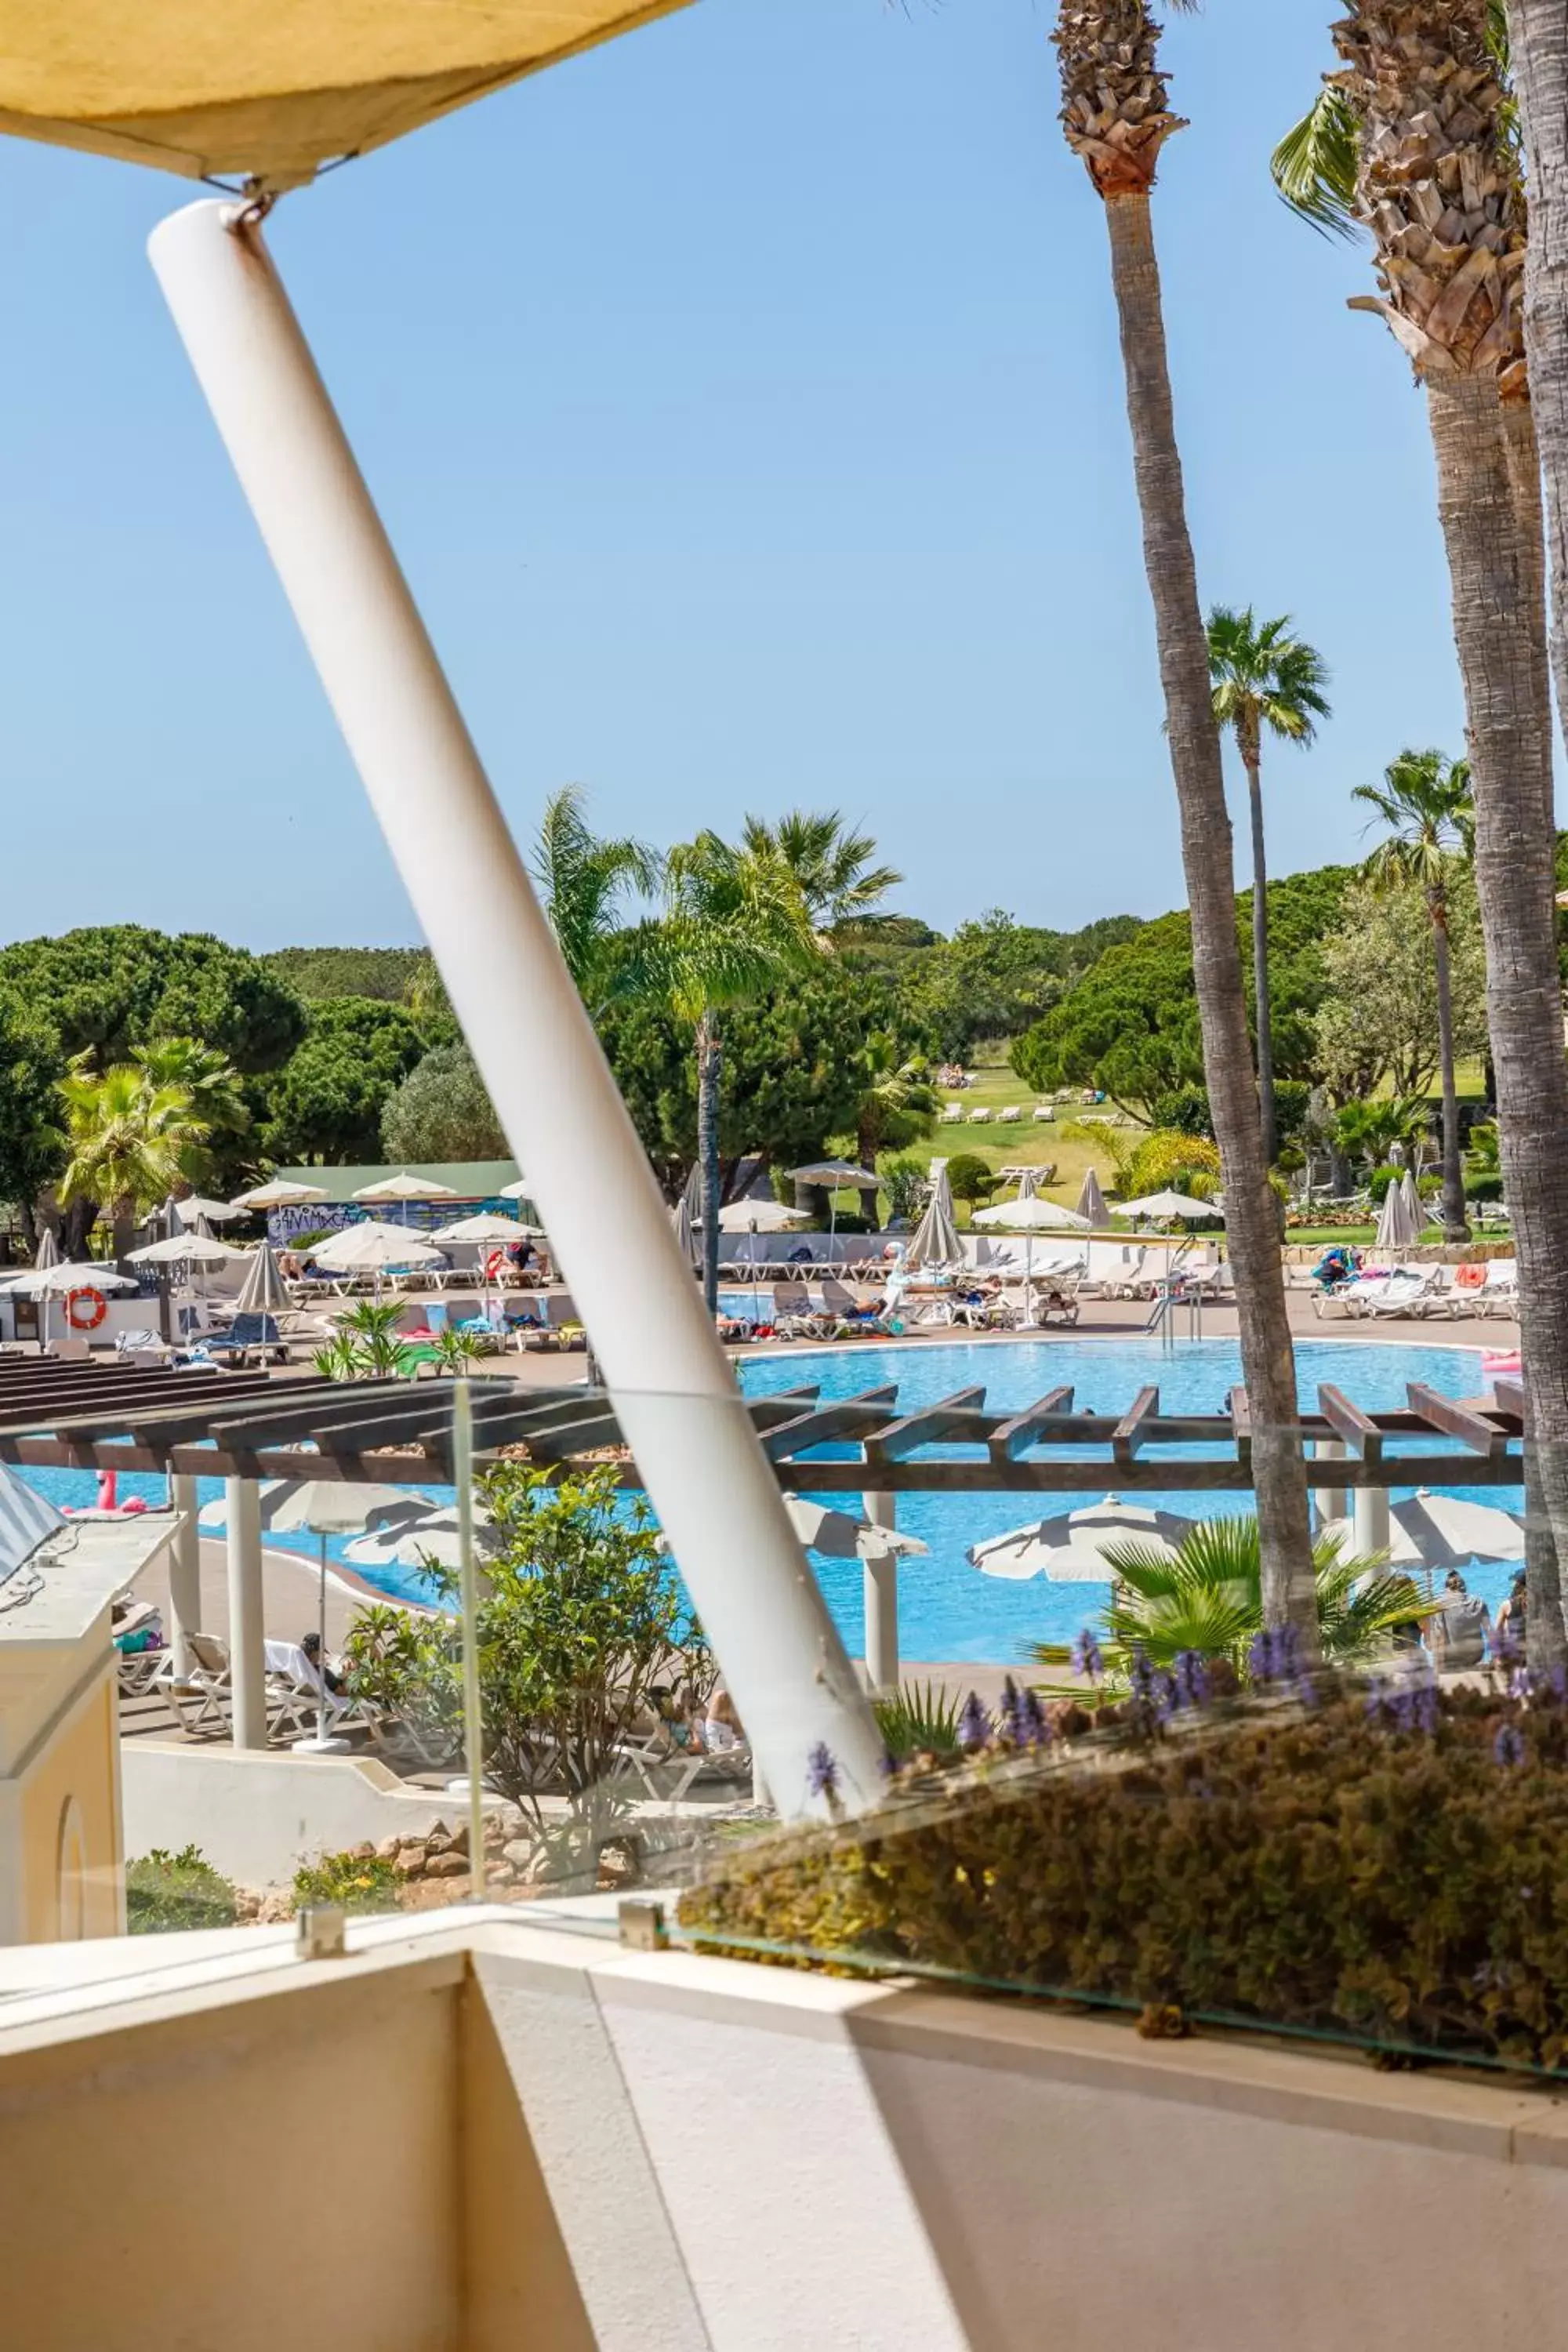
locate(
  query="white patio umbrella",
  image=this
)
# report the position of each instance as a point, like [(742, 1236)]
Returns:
[(517, 1191), (1168, 1204), (184, 1249), (48, 1253), (322, 1508), (195, 1205), (761, 1216), (263, 1291), (404, 1188), (484, 1225), (1442, 1531), (832, 1175), (421, 1538), (279, 1194), (1092, 1205), (371, 1248), (1029, 1215), (841, 1534), (1071, 1549), (934, 1242), (1396, 1227)]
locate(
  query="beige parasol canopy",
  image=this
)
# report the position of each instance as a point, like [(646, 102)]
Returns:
[(271, 93)]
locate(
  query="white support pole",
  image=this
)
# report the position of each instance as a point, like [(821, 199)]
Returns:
[(712, 1489), (1332, 1502), (247, 1616), (185, 1573), (880, 1581), (1372, 1521)]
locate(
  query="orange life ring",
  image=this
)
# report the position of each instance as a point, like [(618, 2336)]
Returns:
[(85, 1309), (494, 1265)]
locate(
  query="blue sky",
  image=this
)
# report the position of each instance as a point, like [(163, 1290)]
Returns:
[(744, 402)]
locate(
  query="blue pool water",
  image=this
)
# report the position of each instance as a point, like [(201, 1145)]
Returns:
[(947, 1609)]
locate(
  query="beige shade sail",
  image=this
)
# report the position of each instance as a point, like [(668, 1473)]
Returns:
[(270, 92)]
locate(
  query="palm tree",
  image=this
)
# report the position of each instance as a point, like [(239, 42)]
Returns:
[(1208, 1597), (1369, 1130), (735, 923), (214, 1088), (1116, 116), (1425, 804), (131, 1140), (1423, 114), (832, 864), (1540, 47), (584, 885), (1263, 680), (897, 1104)]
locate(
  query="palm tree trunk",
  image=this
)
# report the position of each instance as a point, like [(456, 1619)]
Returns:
[(709, 1064), (1456, 1226), (1263, 1023), (1539, 33), (1252, 1223), (1499, 630)]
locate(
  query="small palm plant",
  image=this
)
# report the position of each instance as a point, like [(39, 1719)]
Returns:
[(1208, 1597), (455, 1349), (918, 1717), (371, 1329)]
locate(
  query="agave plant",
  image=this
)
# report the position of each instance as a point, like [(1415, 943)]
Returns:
[(371, 1329), (455, 1349), (1208, 1597), (918, 1717)]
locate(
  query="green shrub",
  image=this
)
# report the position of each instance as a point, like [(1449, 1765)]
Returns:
[(164, 1891), (1379, 1181), (970, 1178), (1483, 1184), (1386, 1870), (358, 1882), (1430, 1186)]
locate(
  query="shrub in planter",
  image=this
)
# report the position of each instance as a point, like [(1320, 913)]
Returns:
[(360, 1882), (165, 1891), (1385, 1867), (1483, 1184)]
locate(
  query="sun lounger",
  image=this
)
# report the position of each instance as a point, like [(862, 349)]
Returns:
[(1011, 1115), (1405, 1290), (979, 1115), (795, 1315), (953, 1116), (247, 1336), (1045, 1111)]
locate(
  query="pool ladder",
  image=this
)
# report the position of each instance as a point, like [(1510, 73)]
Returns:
[(1171, 1296)]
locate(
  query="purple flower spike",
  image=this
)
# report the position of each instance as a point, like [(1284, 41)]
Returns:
[(1262, 1661), (1141, 1676), (974, 1724), (1509, 1746), (1520, 1684), (1191, 1679), (822, 1772), (1034, 1731), (1086, 1657), (1167, 1698)]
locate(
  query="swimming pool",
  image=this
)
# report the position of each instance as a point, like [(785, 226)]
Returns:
[(948, 1610)]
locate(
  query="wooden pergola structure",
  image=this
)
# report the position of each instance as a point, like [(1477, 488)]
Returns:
[(244, 1427), (253, 1425)]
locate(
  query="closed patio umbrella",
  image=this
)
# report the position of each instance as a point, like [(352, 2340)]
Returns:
[(1092, 1205), (48, 1253), (263, 1291), (934, 1243), (686, 1218), (1415, 1204), (1396, 1227), (1070, 1547)]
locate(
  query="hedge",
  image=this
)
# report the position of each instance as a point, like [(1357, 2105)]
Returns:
[(1388, 1869)]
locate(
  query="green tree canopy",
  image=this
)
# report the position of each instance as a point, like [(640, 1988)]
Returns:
[(316, 973), (1129, 1025), (992, 977), (31, 1144), (1377, 1020), (441, 1111), (117, 986), (326, 1102)]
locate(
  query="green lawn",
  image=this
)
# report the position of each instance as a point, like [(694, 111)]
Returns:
[(1027, 1145)]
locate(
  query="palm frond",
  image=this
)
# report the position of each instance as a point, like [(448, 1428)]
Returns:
[(1315, 165)]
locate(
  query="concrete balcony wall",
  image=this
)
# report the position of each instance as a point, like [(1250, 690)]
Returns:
[(482, 2137)]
